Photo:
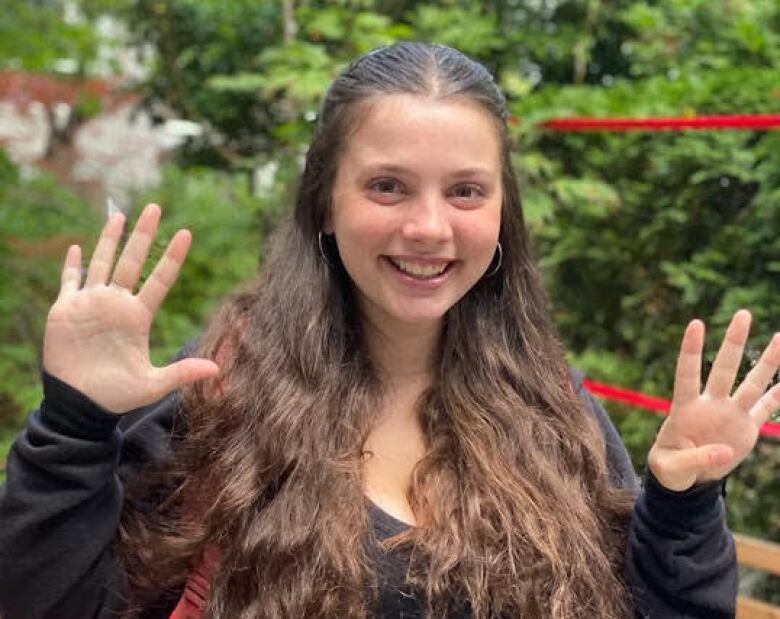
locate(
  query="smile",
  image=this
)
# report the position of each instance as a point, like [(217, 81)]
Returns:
[(419, 271)]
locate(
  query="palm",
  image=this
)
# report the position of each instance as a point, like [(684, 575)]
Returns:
[(106, 328), (711, 422), (97, 337), (708, 433)]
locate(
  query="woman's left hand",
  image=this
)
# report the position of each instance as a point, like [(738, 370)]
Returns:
[(708, 433)]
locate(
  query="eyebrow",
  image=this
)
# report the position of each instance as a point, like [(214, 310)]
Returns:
[(392, 168)]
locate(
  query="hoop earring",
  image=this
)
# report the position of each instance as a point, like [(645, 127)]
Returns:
[(500, 260), (323, 255)]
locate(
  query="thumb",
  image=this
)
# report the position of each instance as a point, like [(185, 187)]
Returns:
[(180, 373), (679, 469)]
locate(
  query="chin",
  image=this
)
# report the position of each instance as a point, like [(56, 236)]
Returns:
[(421, 316), (406, 311), (418, 320)]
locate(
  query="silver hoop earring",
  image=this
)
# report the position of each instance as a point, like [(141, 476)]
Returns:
[(500, 260), (323, 255)]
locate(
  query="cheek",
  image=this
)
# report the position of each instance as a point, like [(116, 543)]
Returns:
[(361, 223), (361, 234), (480, 234)]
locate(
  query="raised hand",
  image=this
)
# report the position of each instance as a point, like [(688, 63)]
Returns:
[(97, 335), (708, 433)]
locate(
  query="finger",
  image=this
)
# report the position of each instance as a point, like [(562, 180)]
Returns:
[(768, 404), (724, 369), (103, 256), (678, 469), (131, 261), (162, 278), (755, 383), (70, 280), (687, 376), (182, 372)]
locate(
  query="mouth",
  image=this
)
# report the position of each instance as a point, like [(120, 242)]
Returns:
[(421, 271)]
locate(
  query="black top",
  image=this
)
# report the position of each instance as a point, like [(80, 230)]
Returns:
[(61, 502)]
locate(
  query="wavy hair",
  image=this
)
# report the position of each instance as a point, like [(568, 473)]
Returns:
[(516, 513)]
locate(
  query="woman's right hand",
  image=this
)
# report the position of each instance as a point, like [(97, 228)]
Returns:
[(97, 335)]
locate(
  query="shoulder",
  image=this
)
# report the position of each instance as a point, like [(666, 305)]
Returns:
[(619, 463)]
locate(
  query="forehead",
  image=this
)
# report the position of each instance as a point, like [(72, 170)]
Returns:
[(424, 134)]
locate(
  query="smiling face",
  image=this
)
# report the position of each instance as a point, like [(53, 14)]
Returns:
[(416, 205)]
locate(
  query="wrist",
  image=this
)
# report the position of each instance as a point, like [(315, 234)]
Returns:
[(697, 504), (70, 412)]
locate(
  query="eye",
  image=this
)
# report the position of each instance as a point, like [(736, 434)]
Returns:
[(386, 190), (468, 192), (385, 185)]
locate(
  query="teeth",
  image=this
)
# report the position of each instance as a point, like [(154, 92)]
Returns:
[(419, 270)]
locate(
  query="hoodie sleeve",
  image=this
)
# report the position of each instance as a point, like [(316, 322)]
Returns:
[(681, 558), (680, 555), (62, 499)]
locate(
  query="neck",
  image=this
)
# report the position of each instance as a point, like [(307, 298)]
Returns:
[(404, 353)]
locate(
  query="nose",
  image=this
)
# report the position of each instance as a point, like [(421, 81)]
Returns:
[(427, 220)]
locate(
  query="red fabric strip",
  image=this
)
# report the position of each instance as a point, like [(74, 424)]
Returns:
[(723, 121), (652, 403), (193, 600), (627, 396)]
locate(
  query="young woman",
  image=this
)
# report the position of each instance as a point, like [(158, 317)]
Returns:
[(383, 426)]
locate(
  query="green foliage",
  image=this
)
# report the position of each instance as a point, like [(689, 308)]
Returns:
[(38, 220), (469, 28), (702, 35), (687, 94), (34, 35)]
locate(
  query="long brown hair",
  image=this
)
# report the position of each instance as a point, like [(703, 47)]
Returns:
[(515, 509)]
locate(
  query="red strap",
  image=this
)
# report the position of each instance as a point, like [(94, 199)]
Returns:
[(193, 601), (722, 121), (627, 396), (653, 403)]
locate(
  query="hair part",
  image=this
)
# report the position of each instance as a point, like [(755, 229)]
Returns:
[(515, 509)]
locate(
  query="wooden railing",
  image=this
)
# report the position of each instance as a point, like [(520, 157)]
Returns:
[(760, 555)]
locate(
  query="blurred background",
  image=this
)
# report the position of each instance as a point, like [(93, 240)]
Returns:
[(206, 107)]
